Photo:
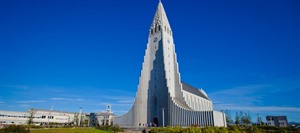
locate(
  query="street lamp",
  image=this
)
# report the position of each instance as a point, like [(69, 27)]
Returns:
[(163, 116), (79, 119)]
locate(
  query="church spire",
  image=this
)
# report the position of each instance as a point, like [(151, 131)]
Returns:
[(160, 17)]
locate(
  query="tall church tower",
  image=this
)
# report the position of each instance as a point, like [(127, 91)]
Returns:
[(161, 98)]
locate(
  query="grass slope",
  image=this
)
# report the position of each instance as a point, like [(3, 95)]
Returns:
[(68, 130)]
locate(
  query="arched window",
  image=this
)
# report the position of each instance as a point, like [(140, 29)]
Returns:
[(159, 28)]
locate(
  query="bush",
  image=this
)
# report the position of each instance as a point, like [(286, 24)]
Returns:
[(229, 129), (114, 128), (15, 129)]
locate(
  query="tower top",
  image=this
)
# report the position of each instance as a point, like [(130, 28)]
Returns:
[(108, 108), (160, 17)]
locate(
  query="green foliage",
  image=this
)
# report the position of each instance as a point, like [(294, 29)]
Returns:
[(114, 128), (15, 129), (30, 117), (69, 130), (229, 129), (237, 119)]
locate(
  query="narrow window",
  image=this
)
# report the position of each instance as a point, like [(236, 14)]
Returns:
[(151, 31), (159, 28)]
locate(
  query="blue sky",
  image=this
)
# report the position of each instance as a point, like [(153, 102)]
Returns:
[(72, 53)]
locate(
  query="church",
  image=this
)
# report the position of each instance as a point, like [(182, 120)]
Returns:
[(162, 99)]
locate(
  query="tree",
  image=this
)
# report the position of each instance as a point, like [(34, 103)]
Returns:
[(76, 119), (245, 118), (237, 119), (228, 116), (259, 121), (31, 116)]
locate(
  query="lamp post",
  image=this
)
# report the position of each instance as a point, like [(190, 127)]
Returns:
[(163, 116), (79, 119)]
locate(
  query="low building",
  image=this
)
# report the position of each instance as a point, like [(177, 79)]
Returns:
[(13, 117), (278, 121), (39, 117), (106, 118)]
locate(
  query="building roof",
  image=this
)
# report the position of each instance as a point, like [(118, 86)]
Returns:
[(276, 117), (106, 114), (194, 90), (57, 111)]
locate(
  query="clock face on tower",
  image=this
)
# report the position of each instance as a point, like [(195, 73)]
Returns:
[(155, 39)]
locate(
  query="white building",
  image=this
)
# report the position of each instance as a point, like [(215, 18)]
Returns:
[(39, 117), (278, 121), (162, 98), (13, 117), (106, 117)]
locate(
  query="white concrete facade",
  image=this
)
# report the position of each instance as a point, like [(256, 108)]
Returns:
[(161, 89), (279, 121), (39, 117)]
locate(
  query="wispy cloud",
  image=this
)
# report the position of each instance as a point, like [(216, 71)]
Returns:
[(24, 105), (118, 97), (239, 95), (126, 101), (257, 108), (67, 99), (255, 98), (31, 101), (116, 104)]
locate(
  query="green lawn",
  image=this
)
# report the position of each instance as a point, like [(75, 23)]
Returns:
[(68, 130)]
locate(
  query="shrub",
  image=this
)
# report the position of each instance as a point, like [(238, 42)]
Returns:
[(15, 129), (114, 128)]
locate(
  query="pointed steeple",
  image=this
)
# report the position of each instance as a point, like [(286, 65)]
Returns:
[(160, 18)]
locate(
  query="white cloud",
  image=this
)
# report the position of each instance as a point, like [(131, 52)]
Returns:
[(31, 101), (246, 95), (24, 105), (126, 101), (256, 108), (116, 104), (67, 99)]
